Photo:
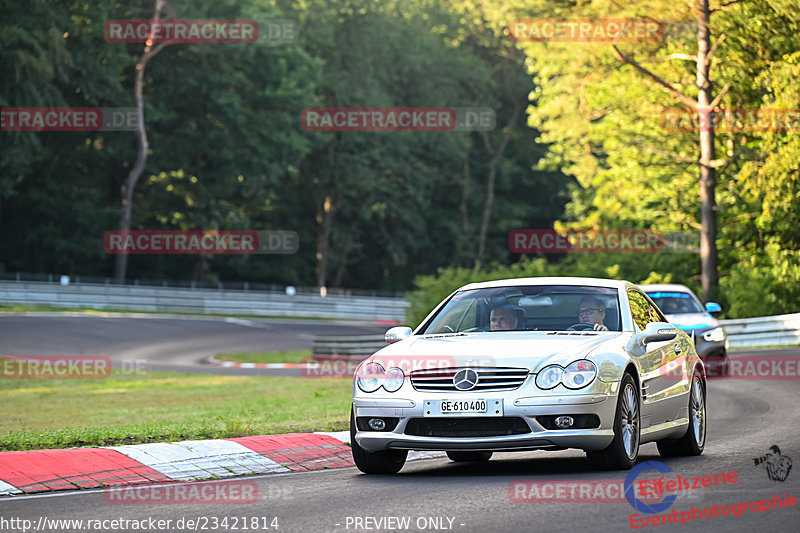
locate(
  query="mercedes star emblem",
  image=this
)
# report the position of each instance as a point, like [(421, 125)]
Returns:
[(465, 379)]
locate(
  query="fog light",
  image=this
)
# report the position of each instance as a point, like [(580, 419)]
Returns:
[(378, 424), (564, 422)]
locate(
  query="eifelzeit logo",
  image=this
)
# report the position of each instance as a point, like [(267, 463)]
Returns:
[(777, 466)]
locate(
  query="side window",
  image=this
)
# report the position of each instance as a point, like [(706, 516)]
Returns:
[(656, 314), (639, 309), (643, 312)]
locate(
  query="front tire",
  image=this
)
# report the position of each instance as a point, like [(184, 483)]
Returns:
[(469, 457), (694, 441), (623, 451), (384, 462)]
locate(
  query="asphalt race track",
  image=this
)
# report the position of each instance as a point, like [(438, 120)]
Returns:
[(173, 344), (746, 417)]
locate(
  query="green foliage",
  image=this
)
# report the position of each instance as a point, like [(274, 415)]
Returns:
[(227, 150)]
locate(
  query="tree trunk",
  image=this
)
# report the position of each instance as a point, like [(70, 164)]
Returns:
[(121, 262), (704, 105), (463, 208), (337, 280), (325, 222), (491, 177), (708, 179)]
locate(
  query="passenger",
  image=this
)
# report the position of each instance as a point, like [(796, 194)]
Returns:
[(503, 319)]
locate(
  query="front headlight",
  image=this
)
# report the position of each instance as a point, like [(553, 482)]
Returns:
[(714, 335), (393, 379), (579, 374), (370, 377), (549, 377)]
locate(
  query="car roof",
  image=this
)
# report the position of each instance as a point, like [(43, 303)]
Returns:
[(666, 287), (516, 282)]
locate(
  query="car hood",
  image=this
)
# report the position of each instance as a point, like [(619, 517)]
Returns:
[(520, 349), (693, 321)]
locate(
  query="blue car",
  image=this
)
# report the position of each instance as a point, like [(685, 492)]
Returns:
[(683, 309)]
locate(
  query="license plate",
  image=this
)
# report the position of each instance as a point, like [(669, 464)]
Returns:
[(463, 406)]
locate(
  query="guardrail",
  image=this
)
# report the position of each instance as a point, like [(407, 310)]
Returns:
[(760, 331), (355, 348), (763, 331), (206, 301)]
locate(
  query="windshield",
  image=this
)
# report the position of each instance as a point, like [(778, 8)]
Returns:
[(528, 308), (676, 303)]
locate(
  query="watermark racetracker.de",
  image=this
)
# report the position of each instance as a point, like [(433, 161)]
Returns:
[(741, 367), (68, 119), (201, 31), (55, 367), (649, 494), (600, 241), (601, 30), (201, 242), (344, 367), (66, 367), (235, 492), (737, 120), (385, 119)]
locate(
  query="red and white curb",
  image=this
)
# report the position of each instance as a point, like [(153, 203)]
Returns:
[(49, 470), (83, 468)]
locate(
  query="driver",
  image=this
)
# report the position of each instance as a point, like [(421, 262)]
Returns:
[(503, 319), (592, 310)]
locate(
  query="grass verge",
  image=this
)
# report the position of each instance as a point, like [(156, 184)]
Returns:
[(296, 356), (165, 407)]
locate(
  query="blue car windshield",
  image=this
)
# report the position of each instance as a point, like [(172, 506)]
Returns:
[(676, 303), (528, 308)]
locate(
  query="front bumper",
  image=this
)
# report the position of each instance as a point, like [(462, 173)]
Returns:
[(527, 402)]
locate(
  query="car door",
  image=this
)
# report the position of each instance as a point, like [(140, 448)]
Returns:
[(659, 388)]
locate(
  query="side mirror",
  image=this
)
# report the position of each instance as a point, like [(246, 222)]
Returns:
[(397, 334), (659, 332), (712, 307)]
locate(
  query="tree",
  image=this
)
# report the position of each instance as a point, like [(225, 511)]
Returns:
[(142, 146)]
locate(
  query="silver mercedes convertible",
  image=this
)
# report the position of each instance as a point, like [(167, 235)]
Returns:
[(532, 364)]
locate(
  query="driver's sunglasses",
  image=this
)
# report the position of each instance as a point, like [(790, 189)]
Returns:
[(588, 311)]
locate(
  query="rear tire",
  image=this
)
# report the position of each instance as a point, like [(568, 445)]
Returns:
[(469, 457), (385, 462), (623, 451), (694, 441)]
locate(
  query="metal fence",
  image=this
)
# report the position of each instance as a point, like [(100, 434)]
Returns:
[(777, 330), (761, 331), (354, 348), (207, 301)]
